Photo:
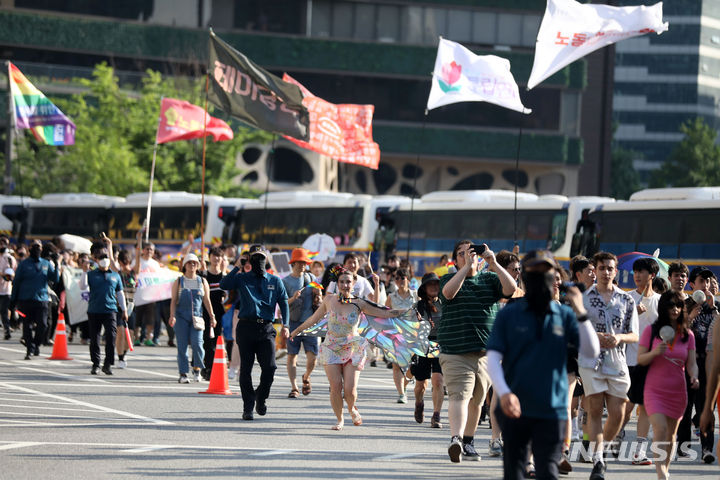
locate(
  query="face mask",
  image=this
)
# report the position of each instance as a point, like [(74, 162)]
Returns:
[(104, 263), (35, 251), (538, 290), (257, 262)]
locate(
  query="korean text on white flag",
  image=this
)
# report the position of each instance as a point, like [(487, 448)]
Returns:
[(462, 76), (570, 30)]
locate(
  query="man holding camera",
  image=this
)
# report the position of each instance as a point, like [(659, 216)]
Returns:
[(469, 300), (528, 350)]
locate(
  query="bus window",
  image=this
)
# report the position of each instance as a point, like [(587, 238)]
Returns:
[(559, 230), (291, 226), (55, 221), (698, 238), (616, 231), (658, 229), (166, 223)]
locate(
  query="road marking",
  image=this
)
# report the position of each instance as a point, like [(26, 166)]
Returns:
[(57, 374), (398, 455), (10, 446), (86, 404), (151, 448), (269, 453), (150, 372)]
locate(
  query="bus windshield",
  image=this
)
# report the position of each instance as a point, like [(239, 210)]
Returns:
[(291, 226)]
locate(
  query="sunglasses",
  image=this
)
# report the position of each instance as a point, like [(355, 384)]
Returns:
[(401, 278)]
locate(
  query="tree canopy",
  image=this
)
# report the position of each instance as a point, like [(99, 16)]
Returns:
[(695, 161), (114, 142)]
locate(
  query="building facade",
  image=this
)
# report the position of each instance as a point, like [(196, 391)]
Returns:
[(378, 52), (662, 81)]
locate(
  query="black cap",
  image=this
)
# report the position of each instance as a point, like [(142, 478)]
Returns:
[(429, 277), (537, 257), (257, 248), (703, 272)]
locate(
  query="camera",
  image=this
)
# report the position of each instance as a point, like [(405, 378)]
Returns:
[(478, 249), (567, 285)]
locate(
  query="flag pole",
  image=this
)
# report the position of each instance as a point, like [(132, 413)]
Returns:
[(10, 135), (517, 175), (152, 178), (268, 172), (202, 184), (412, 194)]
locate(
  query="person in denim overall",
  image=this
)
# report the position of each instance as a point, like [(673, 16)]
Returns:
[(189, 293)]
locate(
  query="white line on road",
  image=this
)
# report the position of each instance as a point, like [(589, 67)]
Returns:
[(398, 455), (152, 448), (86, 404), (269, 453), (10, 446)]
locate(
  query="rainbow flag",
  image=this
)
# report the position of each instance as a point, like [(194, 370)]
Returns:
[(315, 285), (34, 111), (312, 255)]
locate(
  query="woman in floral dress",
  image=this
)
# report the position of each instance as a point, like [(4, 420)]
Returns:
[(344, 351)]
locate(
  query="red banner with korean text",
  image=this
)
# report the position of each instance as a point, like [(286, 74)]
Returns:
[(180, 120), (343, 132)]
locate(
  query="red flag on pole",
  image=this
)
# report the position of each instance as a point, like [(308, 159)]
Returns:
[(343, 132), (180, 120)]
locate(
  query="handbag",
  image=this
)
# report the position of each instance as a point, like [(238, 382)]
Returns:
[(198, 322)]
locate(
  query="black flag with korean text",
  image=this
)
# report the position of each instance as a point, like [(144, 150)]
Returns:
[(254, 95)]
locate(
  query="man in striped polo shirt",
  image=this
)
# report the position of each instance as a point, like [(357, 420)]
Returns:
[(469, 300)]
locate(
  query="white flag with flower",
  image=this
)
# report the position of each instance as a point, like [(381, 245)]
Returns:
[(462, 76), (570, 30)]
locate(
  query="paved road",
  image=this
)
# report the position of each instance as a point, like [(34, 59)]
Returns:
[(58, 421)]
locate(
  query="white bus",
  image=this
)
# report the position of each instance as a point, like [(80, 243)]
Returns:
[(684, 223), (440, 219), (291, 217)]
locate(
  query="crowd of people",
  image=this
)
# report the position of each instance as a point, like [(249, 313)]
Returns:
[(551, 356)]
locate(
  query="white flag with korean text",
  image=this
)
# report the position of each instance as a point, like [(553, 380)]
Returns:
[(462, 76), (571, 30)]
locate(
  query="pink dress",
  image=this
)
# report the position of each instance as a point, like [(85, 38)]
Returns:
[(665, 387)]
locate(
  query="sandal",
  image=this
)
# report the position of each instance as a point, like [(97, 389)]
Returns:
[(306, 387), (293, 393), (356, 418), (337, 426)]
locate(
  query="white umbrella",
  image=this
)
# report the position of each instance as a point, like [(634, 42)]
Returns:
[(76, 243), (321, 246)]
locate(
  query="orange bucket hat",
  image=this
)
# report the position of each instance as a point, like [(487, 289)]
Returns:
[(299, 255)]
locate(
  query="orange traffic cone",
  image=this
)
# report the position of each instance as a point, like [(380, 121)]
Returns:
[(129, 339), (218, 377), (60, 348)]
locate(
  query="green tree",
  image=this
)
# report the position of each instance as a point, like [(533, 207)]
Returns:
[(625, 179), (114, 142), (695, 162)]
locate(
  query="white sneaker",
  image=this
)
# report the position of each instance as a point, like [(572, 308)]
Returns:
[(183, 379), (196, 375), (402, 398), (231, 373), (122, 364)]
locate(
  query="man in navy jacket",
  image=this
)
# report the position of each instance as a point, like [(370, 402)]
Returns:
[(30, 296)]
